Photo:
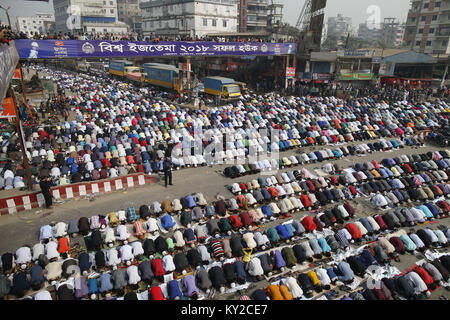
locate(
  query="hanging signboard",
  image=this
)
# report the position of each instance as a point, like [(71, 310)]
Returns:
[(355, 76), (7, 109), (290, 72), (17, 74)]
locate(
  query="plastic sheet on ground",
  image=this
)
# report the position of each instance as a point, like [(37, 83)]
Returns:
[(434, 254), (379, 272)]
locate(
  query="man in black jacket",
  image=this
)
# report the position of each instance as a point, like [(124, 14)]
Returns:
[(167, 167), (45, 185)]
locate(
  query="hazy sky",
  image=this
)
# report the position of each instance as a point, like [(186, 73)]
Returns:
[(356, 9)]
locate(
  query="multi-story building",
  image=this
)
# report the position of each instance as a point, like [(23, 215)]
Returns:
[(130, 13), (427, 28), (369, 34), (40, 23), (341, 26), (257, 15), (392, 32), (194, 18), (275, 14), (242, 12), (88, 16)]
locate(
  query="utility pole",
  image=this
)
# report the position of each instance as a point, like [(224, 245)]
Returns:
[(445, 76), (7, 15)]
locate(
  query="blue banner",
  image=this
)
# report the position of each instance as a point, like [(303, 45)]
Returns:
[(47, 49)]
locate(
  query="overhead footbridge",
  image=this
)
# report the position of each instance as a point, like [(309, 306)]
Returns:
[(56, 49)]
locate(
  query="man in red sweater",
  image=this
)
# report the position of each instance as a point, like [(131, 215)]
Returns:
[(354, 231)]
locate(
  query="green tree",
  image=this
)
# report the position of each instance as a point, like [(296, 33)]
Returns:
[(331, 42), (356, 43)]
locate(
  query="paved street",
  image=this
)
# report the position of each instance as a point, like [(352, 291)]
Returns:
[(23, 227)]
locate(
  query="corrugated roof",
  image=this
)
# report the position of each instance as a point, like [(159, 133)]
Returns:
[(220, 78), (324, 56), (371, 53), (410, 57), (238, 34), (164, 68), (378, 52)]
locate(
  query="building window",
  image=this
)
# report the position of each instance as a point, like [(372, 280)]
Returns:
[(431, 30), (420, 31), (434, 18), (423, 18), (224, 23), (437, 4), (413, 19), (418, 43), (408, 43), (205, 22), (444, 43), (104, 3), (428, 43), (426, 5), (214, 22), (111, 3), (111, 10)]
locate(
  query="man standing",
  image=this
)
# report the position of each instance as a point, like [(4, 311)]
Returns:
[(43, 109), (167, 167), (45, 188), (65, 114)]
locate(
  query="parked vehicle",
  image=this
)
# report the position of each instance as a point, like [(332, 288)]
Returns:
[(162, 75), (120, 67), (225, 87)]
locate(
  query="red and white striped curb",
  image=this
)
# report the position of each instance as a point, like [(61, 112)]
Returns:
[(421, 135), (36, 199)]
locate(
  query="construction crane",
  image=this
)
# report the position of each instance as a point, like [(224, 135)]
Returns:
[(304, 18), (310, 24)]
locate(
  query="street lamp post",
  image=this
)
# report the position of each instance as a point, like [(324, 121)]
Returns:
[(7, 15)]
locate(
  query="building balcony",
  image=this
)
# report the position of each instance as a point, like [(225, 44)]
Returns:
[(445, 6), (258, 2), (257, 12), (410, 23), (445, 34), (256, 23)]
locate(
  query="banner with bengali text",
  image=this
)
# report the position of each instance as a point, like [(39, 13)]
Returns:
[(47, 49)]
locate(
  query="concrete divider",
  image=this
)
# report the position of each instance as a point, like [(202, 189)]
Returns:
[(36, 199)]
